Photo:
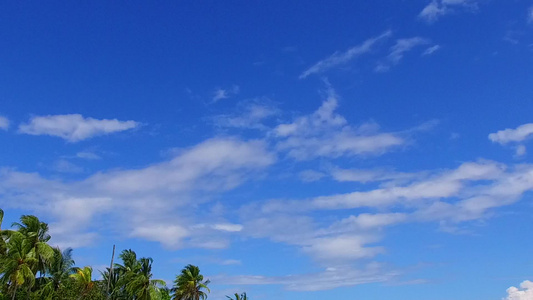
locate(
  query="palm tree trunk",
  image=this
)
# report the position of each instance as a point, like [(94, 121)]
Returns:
[(14, 293)]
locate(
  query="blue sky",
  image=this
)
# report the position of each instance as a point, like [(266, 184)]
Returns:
[(348, 149)]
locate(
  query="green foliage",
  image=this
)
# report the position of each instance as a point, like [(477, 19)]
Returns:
[(238, 297), (190, 284), (17, 264), (31, 269)]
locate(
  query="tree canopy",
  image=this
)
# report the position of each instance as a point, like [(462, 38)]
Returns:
[(30, 268)]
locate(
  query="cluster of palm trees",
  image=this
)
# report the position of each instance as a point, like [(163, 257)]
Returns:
[(32, 269)]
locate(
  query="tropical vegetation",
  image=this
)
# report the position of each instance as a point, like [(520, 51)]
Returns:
[(30, 268)]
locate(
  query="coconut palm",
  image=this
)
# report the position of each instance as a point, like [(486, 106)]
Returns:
[(16, 266), (36, 233), (83, 276), (238, 297), (140, 283), (190, 284), (59, 270), (114, 290), (129, 262), (130, 265), (2, 237)]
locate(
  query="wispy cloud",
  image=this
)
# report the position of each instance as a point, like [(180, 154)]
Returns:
[(431, 50), (398, 51), (220, 93), (365, 176), (162, 192), (74, 127), (340, 58), (521, 150), (438, 8), (325, 133), (447, 197), (65, 166), (88, 155), (4, 123), (525, 292), (328, 279), (249, 115), (530, 15)]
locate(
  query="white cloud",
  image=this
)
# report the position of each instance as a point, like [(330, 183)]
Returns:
[(229, 262), (220, 94), (438, 8), (170, 236), (367, 221), (250, 115), (520, 150), (228, 227), (398, 50), (156, 203), (340, 58), (342, 248), (364, 176), (530, 15), (329, 278), (338, 243), (446, 197), (325, 133), (404, 45), (444, 185), (65, 166), (88, 155), (4, 123), (525, 292), (506, 136), (433, 11), (217, 164), (74, 127), (431, 50)]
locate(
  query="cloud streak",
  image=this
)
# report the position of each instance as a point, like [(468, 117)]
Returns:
[(74, 127), (146, 202), (328, 279), (438, 8), (324, 133), (448, 197), (4, 123), (250, 115), (340, 58), (220, 94), (398, 51)]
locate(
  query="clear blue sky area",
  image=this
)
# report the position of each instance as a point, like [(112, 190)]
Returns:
[(290, 149)]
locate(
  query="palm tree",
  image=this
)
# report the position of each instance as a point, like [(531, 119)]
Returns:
[(36, 232), (129, 260), (84, 278), (17, 264), (130, 265), (189, 284), (238, 297), (114, 291), (2, 240), (60, 269), (141, 285)]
